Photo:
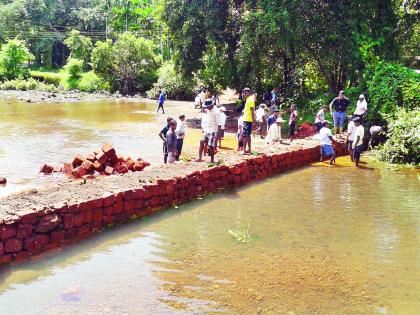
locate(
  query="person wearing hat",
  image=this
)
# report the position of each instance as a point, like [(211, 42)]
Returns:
[(249, 118), (272, 118), (261, 119), (222, 117), (361, 108), (171, 141), (351, 133), (274, 133), (326, 139), (358, 140)]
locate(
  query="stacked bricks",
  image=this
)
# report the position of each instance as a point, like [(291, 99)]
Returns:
[(37, 231)]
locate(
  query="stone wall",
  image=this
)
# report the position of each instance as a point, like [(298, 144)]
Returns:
[(35, 232)]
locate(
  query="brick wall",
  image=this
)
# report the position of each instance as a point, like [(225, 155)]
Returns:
[(38, 231)]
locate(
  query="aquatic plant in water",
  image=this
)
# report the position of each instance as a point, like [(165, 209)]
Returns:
[(242, 236)]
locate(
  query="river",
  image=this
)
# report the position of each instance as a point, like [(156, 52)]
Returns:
[(318, 240), (34, 134)]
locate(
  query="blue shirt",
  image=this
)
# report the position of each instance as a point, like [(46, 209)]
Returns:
[(161, 98), (271, 120)]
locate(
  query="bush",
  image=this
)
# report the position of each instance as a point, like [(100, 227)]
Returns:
[(130, 63), (403, 144), (392, 86), (74, 68), (13, 55), (47, 77), (26, 85), (90, 82), (80, 46), (172, 82)]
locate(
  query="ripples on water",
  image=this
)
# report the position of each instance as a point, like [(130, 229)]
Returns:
[(330, 241), (34, 134)]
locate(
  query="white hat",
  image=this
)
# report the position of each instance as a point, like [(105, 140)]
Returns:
[(222, 108), (361, 96), (279, 120)]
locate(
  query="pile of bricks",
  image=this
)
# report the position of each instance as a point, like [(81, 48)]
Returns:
[(101, 162)]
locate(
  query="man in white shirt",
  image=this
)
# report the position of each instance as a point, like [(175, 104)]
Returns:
[(320, 118), (358, 140), (180, 135), (274, 132), (222, 117), (210, 131), (260, 118), (351, 133), (239, 132), (361, 107), (326, 138)]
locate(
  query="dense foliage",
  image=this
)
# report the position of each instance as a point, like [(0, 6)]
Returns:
[(130, 63), (403, 144), (392, 86), (12, 57), (173, 83)]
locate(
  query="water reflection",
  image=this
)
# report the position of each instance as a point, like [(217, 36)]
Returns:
[(353, 255)]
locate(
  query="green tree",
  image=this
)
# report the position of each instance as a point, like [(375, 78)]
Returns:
[(80, 46), (13, 55), (130, 63)]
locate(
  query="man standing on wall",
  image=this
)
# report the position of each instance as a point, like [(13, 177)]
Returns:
[(249, 117), (340, 105), (162, 135), (180, 135), (358, 140)]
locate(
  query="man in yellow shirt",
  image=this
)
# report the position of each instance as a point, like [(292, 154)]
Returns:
[(249, 118)]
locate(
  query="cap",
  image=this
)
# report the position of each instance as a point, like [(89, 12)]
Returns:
[(356, 119), (246, 89), (276, 110)]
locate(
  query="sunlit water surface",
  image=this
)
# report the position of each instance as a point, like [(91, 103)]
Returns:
[(35, 134), (317, 241)]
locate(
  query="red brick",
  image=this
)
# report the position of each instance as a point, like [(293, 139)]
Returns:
[(128, 205), (97, 215), (7, 231), (94, 203), (68, 168), (108, 210), (24, 231), (97, 166), (122, 169), (13, 245), (5, 259), (128, 195), (87, 216), (22, 256), (138, 193), (48, 223), (1, 249), (109, 170), (46, 169), (78, 220), (29, 218), (57, 236), (88, 166), (79, 172), (40, 241), (108, 149), (118, 207), (78, 160), (108, 200), (102, 157), (68, 221)]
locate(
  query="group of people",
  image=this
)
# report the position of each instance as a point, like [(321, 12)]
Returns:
[(355, 130), (268, 125), (173, 135)]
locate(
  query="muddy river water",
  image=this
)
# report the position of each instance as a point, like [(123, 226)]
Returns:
[(317, 240), (35, 134)]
